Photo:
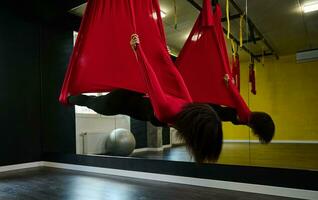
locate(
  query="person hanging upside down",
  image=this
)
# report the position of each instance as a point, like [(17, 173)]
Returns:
[(167, 100), (261, 123), (197, 124), (96, 66), (204, 66)]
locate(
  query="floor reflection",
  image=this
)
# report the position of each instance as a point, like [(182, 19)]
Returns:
[(295, 156), (178, 153)]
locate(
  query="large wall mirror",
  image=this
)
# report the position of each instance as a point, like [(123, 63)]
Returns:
[(285, 89)]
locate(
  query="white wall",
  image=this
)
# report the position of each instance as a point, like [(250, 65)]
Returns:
[(174, 140), (97, 128)]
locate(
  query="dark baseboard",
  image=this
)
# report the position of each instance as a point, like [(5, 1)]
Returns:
[(18, 161)]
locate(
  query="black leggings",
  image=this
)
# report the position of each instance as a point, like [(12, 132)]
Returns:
[(226, 114), (119, 101)]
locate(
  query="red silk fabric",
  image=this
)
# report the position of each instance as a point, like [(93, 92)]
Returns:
[(204, 65), (251, 78), (103, 59), (236, 71)]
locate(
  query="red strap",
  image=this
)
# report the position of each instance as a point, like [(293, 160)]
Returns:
[(236, 70), (252, 79), (207, 17)]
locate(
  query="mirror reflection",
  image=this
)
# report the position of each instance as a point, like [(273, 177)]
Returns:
[(124, 122)]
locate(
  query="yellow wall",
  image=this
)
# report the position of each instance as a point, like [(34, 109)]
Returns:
[(288, 92)]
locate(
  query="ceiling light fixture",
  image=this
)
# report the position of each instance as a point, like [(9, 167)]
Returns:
[(163, 14), (310, 7)]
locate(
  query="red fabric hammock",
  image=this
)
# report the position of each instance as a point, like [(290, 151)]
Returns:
[(103, 59), (204, 64), (236, 71), (251, 78)]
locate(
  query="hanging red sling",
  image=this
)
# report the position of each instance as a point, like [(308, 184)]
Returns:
[(251, 78), (204, 65), (103, 59), (236, 71)]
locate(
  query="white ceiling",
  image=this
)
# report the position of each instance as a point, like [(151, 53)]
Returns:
[(282, 23)]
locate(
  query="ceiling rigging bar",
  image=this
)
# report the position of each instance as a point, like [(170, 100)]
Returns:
[(260, 38)]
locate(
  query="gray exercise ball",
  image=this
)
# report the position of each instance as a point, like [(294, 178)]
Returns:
[(120, 142)]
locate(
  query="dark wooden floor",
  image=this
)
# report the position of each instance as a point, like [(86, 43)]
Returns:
[(293, 156), (54, 184)]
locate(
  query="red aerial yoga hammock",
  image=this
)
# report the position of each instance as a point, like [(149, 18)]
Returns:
[(103, 59), (251, 78), (236, 70), (204, 65)]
